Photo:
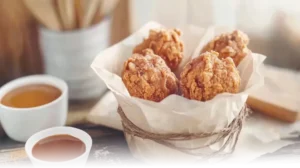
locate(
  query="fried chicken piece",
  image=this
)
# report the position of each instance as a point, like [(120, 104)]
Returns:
[(232, 45), (148, 77), (207, 75), (165, 43)]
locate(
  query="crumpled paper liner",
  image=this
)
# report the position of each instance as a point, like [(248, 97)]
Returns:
[(166, 116)]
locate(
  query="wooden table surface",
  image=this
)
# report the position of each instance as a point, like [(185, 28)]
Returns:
[(110, 150)]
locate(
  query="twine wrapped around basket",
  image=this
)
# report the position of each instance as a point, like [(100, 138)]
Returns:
[(230, 133)]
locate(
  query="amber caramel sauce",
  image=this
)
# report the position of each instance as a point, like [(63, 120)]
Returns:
[(58, 148), (31, 96)]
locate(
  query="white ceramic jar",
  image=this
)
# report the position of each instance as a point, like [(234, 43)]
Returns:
[(68, 55)]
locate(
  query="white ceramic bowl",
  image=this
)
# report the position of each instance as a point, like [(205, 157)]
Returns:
[(20, 123), (77, 133)]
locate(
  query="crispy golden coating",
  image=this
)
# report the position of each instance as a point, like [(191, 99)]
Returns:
[(148, 77), (232, 45), (207, 75), (164, 43)]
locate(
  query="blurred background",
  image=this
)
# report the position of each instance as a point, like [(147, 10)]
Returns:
[(62, 37)]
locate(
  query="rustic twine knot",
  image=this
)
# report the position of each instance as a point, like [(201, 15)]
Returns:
[(230, 134)]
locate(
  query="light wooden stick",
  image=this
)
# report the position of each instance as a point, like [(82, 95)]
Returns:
[(70, 14), (61, 12), (79, 12), (97, 18), (67, 13), (91, 8), (45, 13), (106, 7)]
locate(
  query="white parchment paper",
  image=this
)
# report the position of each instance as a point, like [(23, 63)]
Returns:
[(175, 113)]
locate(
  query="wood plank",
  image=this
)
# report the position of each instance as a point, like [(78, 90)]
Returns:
[(110, 150), (272, 110)]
